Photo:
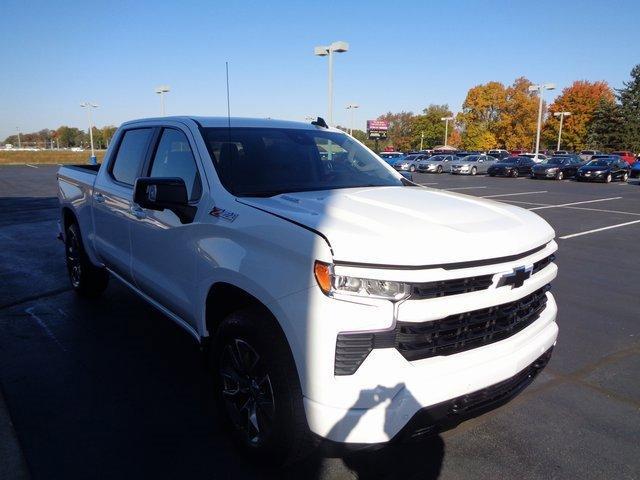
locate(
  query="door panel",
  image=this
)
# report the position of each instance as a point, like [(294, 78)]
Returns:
[(112, 201), (165, 250)]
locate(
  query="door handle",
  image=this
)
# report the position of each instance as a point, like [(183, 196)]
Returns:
[(98, 197), (138, 212)]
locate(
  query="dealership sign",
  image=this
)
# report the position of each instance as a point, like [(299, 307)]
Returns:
[(377, 129)]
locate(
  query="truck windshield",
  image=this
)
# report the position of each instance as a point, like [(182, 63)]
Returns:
[(270, 161)]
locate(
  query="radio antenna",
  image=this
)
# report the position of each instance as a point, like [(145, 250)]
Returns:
[(228, 103)]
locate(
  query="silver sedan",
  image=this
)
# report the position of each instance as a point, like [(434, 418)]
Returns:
[(472, 164), (436, 164)]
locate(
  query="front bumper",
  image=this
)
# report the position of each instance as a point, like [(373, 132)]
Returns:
[(376, 402), (543, 174)]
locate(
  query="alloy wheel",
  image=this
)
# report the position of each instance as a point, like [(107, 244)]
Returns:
[(247, 392)]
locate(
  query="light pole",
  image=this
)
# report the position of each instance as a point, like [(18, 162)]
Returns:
[(19, 141), (323, 51), (421, 140), (89, 106), (352, 107), (161, 90), (540, 88), (561, 115), (446, 128)]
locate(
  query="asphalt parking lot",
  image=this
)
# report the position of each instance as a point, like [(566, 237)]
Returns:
[(112, 389)]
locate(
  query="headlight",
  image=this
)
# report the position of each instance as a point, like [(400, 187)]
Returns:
[(552, 170), (330, 283), (465, 167)]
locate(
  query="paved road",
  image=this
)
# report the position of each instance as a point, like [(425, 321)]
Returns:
[(112, 389)]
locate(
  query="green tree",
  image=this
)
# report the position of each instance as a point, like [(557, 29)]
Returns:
[(606, 129), (629, 98), (401, 133), (431, 125)]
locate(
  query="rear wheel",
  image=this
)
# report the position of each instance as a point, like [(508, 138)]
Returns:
[(258, 389), (86, 279)]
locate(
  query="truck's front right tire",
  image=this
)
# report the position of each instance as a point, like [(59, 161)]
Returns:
[(258, 389), (86, 279)]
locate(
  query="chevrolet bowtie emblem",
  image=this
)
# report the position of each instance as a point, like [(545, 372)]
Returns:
[(517, 278)]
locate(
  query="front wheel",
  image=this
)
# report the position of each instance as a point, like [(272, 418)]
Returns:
[(515, 173), (258, 388), (474, 170), (625, 177), (608, 178), (559, 176), (86, 279), (439, 169), (412, 168)]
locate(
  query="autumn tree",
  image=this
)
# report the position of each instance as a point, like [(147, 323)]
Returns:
[(581, 98), (629, 98), (518, 119), (480, 116)]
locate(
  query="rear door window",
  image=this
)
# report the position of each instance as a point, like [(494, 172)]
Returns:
[(131, 153)]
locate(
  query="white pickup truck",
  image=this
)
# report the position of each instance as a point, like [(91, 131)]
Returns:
[(282, 247)]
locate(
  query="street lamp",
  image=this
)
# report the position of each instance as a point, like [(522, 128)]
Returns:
[(352, 107), (89, 106), (446, 128), (19, 141), (540, 88), (161, 90), (561, 115), (323, 51)]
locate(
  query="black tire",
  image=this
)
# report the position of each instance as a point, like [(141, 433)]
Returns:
[(439, 169), (559, 175), (86, 279), (412, 168), (625, 177), (270, 388), (515, 173), (474, 170), (492, 174), (608, 178)]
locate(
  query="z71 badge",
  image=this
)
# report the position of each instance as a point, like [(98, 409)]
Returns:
[(224, 214)]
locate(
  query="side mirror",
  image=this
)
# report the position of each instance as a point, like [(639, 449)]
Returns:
[(162, 193)]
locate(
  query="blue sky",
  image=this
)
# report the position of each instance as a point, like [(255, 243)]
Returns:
[(403, 55)]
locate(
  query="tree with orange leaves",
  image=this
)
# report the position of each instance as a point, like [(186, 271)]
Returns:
[(581, 98)]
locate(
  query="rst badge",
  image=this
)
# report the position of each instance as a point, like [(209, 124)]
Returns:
[(224, 214)]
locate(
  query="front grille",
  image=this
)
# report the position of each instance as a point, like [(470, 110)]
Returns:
[(540, 264), (443, 288), (447, 336)]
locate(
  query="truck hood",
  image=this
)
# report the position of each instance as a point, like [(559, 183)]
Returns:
[(410, 226)]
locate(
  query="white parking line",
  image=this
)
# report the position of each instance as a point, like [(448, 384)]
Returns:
[(525, 203), (603, 211), (430, 183), (564, 237), (464, 188), (576, 203), (29, 165), (511, 194)]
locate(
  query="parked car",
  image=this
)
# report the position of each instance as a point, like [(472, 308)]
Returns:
[(499, 154), (635, 170), (585, 155), (391, 157), (472, 164), (436, 164), (541, 157), (287, 269), (409, 163), (511, 167), (604, 168), (557, 167), (627, 156), (561, 152)]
